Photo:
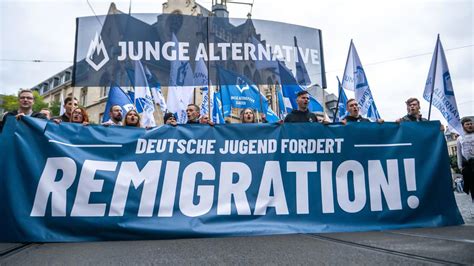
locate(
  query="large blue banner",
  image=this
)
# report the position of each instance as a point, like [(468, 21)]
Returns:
[(70, 182)]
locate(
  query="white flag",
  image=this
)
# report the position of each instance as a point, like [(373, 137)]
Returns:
[(201, 79), (155, 88), (179, 95), (439, 85), (143, 98), (354, 79), (62, 110)]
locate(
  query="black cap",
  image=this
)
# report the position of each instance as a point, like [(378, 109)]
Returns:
[(168, 116), (303, 92)]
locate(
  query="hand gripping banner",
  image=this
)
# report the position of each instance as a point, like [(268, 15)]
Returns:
[(71, 182)]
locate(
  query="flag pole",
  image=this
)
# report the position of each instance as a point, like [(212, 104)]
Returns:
[(339, 82), (220, 91), (208, 73), (261, 104), (277, 102), (434, 76), (338, 99)]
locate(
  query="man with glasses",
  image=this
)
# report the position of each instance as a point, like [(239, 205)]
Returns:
[(25, 107)]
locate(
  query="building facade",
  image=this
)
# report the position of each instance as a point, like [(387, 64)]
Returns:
[(94, 99)]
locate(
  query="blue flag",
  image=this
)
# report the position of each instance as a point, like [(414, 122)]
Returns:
[(243, 94), (342, 110), (290, 89), (217, 111), (281, 104), (117, 97), (439, 85)]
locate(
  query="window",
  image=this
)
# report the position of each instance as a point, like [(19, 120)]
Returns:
[(104, 92), (55, 82), (67, 76)]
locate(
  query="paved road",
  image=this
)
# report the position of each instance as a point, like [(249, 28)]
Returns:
[(446, 245)]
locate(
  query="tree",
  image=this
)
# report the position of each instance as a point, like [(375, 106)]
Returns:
[(39, 103), (10, 102), (55, 108)]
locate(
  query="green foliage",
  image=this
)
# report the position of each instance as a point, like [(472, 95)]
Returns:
[(453, 161), (55, 108), (10, 102), (39, 103)]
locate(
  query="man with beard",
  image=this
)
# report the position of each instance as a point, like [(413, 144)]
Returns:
[(25, 102), (465, 154), (115, 114), (354, 113), (70, 103), (302, 114)]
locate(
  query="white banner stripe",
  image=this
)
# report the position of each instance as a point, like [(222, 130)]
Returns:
[(381, 145), (87, 145)]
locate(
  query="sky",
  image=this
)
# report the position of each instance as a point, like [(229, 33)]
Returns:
[(395, 41)]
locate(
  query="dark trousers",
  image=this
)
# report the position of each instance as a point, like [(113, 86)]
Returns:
[(468, 176)]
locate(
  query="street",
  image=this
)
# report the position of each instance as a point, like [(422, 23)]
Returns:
[(446, 245)]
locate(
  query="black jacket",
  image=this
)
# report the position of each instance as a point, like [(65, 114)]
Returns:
[(300, 116), (412, 118), (14, 113), (356, 119), (63, 118)]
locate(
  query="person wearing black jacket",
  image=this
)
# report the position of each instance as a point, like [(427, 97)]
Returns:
[(354, 113), (302, 114), (25, 102), (70, 103)]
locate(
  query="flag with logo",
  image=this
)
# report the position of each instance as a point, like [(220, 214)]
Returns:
[(179, 96), (117, 97), (290, 88), (155, 89), (243, 94), (201, 80), (142, 96), (355, 80), (439, 86)]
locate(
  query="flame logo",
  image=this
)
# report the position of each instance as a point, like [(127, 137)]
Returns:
[(97, 47)]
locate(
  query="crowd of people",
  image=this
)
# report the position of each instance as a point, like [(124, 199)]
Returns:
[(76, 114)]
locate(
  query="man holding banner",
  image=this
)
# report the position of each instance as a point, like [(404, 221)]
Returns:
[(115, 114), (413, 109)]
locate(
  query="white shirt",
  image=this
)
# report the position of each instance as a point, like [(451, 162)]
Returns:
[(110, 122), (465, 145)]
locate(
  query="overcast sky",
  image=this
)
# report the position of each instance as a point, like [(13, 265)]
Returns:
[(395, 41)]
